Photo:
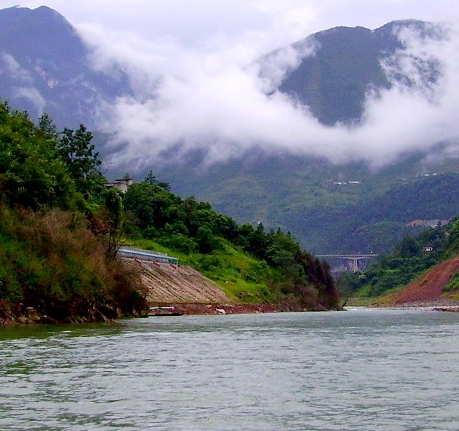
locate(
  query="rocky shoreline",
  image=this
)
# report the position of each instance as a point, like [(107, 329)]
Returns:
[(22, 315), (30, 316), (202, 309)]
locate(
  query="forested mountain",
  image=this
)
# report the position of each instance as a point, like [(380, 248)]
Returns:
[(45, 66), (329, 208), (334, 81)]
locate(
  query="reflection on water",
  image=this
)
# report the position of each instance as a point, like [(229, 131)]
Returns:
[(362, 369)]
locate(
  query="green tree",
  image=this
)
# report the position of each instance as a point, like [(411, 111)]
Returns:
[(82, 161), (115, 212), (409, 247), (47, 126), (257, 242), (31, 174), (151, 179), (151, 206), (281, 249), (207, 241)]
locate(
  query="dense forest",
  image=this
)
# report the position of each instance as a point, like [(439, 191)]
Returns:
[(61, 227)]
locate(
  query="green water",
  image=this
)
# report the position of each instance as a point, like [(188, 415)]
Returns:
[(357, 370)]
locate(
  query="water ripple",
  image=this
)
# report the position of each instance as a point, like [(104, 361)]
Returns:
[(358, 370)]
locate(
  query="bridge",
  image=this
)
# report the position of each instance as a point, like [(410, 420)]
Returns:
[(353, 259)]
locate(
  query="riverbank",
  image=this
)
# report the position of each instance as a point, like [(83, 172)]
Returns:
[(30, 316), (201, 309)]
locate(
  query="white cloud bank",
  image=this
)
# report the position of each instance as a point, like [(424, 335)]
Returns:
[(215, 101), (189, 62)]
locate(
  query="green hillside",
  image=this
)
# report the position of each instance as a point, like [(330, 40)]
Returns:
[(61, 227), (328, 208)]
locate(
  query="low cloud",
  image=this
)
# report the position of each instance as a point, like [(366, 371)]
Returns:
[(219, 101), (8, 62), (32, 95)]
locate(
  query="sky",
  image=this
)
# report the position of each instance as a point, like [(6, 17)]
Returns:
[(191, 64)]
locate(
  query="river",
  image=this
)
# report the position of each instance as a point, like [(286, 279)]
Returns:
[(362, 369)]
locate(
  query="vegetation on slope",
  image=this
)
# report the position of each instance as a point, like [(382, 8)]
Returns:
[(411, 258), (60, 229), (328, 208), (223, 250), (51, 261)]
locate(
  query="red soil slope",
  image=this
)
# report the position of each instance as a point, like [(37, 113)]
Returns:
[(429, 287)]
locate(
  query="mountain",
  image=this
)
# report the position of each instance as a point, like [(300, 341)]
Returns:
[(347, 208), (345, 64), (328, 208), (44, 67)]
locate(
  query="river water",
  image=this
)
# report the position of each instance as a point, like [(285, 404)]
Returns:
[(363, 369)]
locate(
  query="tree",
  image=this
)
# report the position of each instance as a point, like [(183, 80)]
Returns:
[(257, 242), (47, 126), (409, 247), (151, 205), (82, 161), (31, 173), (114, 206), (151, 179), (207, 241)]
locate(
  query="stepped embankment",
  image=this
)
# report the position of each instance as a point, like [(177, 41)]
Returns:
[(173, 284), (189, 292)]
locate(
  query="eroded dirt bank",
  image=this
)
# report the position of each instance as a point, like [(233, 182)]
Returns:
[(428, 290)]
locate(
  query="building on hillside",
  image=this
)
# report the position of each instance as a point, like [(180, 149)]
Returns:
[(121, 184), (430, 223)]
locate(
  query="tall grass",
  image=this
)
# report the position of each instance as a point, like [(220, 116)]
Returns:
[(51, 261)]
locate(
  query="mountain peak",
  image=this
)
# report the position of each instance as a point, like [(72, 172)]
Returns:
[(346, 63), (18, 13), (42, 60)]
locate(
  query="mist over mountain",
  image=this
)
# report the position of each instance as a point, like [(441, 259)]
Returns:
[(346, 65), (44, 68), (303, 137)]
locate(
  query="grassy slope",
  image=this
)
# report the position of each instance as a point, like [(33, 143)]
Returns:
[(238, 275)]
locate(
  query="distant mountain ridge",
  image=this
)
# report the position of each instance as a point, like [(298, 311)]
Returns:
[(333, 82), (44, 68)]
